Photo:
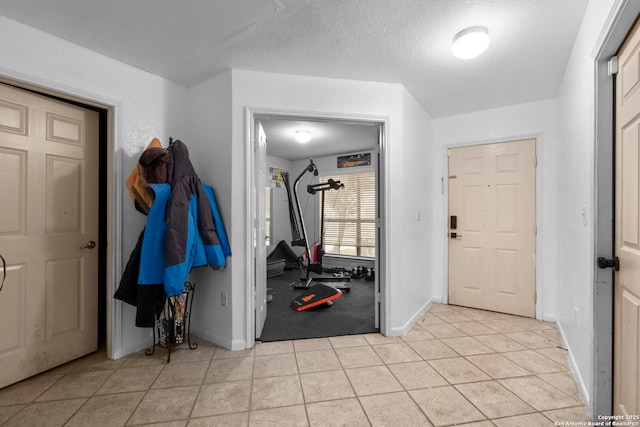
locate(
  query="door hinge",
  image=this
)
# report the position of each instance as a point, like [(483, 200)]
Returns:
[(535, 162), (448, 153), (377, 297), (535, 230), (612, 66)]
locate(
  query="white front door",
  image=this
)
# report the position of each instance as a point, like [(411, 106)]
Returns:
[(48, 233), (626, 338), (261, 234), (492, 227)]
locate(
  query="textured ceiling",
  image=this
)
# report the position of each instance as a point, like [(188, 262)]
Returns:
[(396, 41), (327, 137)]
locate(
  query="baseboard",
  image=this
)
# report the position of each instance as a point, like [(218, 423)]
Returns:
[(547, 317), (574, 367), (215, 339), (402, 331), (126, 351)]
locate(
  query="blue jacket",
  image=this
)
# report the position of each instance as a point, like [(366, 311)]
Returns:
[(184, 228)]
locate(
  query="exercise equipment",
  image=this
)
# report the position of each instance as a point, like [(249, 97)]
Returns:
[(282, 251), (313, 255), (316, 295)]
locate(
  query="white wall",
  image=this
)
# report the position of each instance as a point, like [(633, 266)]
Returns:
[(416, 287), (293, 93), (576, 178), (209, 119), (537, 120), (146, 106)]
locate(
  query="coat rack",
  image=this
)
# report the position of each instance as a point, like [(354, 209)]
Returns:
[(173, 327)]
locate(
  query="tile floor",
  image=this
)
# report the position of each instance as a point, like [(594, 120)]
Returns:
[(457, 366)]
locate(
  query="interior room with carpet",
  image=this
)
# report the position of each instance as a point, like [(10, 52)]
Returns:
[(498, 271), (338, 221)]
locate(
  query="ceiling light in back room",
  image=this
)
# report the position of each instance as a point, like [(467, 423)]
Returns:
[(470, 42), (303, 136)]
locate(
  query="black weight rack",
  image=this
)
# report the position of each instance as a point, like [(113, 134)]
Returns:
[(173, 327)]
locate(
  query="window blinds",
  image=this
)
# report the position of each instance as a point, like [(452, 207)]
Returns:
[(349, 215)]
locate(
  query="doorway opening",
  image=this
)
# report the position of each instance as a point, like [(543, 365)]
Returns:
[(342, 225)]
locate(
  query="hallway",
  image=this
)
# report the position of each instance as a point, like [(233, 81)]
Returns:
[(456, 365)]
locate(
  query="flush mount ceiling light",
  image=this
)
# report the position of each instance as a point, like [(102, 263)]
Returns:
[(470, 42), (303, 136)]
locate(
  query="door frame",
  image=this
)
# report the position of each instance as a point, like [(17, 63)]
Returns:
[(538, 212), (113, 186), (621, 18), (251, 114)]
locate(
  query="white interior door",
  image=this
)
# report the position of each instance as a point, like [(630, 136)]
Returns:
[(48, 229), (261, 234), (626, 367), (492, 227)]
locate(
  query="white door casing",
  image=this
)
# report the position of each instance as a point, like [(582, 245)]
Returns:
[(626, 338), (260, 225), (382, 305), (48, 232), (492, 256)]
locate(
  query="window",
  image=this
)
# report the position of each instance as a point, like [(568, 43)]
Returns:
[(349, 215), (267, 215)]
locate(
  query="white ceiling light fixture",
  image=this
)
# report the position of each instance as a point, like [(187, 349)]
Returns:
[(303, 136), (470, 42)]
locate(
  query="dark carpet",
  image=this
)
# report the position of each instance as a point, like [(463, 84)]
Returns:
[(352, 313)]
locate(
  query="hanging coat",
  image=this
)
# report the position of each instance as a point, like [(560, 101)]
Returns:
[(184, 228)]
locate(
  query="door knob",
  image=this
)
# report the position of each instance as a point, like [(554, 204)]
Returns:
[(608, 263), (90, 245)]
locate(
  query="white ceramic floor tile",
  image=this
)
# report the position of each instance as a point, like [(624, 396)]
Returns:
[(458, 370), (337, 413), (373, 380), (415, 375), (45, 413), (494, 400), (222, 398), (393, 409), (288, 416), (277, 347), (396, 353), (275, 392), (329, 385), (317, 361), (445, 406), (164, 405)]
